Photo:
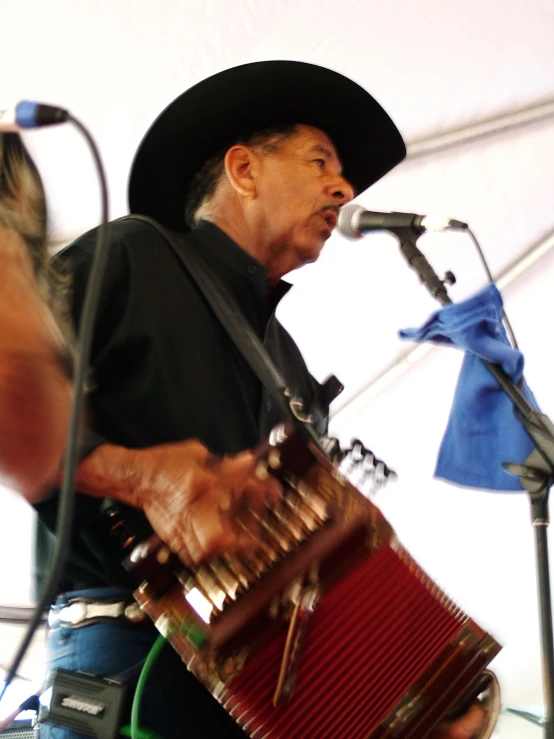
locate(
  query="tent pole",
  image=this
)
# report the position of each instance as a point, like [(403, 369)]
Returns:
[(486, 128)]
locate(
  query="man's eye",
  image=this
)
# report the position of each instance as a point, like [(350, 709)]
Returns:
[(320, 162)]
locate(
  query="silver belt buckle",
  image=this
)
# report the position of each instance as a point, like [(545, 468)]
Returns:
[(71, 614), (78, 611), (74, 613)]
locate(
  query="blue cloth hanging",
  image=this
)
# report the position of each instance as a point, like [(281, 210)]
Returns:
[(483, 430)]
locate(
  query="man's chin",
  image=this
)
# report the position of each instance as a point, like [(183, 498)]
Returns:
[(312, 251), (307, 250)]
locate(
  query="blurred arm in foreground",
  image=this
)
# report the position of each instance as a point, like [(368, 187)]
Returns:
[(35, 386)]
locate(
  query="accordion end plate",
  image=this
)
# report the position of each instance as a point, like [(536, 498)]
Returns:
[(467, 639), (403, 713)]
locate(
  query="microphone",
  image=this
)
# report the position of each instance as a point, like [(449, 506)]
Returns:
[(30, 114), (355, 221)]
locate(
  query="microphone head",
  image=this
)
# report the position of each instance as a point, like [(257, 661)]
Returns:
[(347, 223)]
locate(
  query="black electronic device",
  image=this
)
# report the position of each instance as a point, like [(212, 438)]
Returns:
[(84, 703)]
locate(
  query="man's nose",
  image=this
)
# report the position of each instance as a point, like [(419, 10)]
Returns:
[(341, 191)]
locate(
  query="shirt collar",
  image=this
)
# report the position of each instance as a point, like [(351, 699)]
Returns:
[(220, 246)]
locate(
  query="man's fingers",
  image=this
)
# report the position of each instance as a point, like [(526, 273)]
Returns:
[(183, 546), (240, 466), (260, 493), (466, 727), (239, 476), (469, 724), (211, 527)]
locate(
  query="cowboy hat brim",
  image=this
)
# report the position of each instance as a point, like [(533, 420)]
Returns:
[(225, 107)]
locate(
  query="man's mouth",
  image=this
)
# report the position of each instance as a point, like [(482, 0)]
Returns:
[(330, 216)]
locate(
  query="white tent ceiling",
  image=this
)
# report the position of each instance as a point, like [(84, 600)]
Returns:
[(437, 68)]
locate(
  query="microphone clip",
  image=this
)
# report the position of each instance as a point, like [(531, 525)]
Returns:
[(418, 262)]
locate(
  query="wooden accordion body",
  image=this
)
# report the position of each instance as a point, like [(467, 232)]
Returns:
[(384, 652)]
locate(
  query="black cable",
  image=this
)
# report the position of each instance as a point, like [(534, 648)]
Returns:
[(64, 518), (489, 275)]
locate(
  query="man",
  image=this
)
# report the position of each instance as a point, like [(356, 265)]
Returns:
[(261, 158), (35, 389)]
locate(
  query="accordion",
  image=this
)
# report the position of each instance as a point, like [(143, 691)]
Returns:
[(330, 630)]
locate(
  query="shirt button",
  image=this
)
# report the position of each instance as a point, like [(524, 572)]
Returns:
[(253, 269)]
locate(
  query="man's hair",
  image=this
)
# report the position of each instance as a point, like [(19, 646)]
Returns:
[(269, 140), (23, 209), (22, 200)]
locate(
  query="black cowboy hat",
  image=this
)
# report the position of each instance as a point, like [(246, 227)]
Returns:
[(227, 106)]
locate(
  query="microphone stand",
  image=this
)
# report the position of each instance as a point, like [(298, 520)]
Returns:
[(536, 474)]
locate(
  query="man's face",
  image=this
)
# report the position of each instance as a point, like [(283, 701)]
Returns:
[(299, 191)]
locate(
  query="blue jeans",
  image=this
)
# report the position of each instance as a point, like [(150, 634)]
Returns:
[(174, 703)]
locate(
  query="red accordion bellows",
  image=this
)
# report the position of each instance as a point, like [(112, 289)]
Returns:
[(361, 656)]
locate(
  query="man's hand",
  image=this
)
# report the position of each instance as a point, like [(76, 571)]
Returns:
[(198, 504), (466, 727)]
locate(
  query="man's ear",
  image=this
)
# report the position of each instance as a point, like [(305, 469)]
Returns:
[(239, 164)]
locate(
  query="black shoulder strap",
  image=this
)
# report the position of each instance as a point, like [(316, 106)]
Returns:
[(232, 319)]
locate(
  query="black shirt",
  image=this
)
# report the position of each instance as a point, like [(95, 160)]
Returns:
[(164, 367)]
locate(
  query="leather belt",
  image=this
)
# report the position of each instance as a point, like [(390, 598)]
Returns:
[(79, 612)]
